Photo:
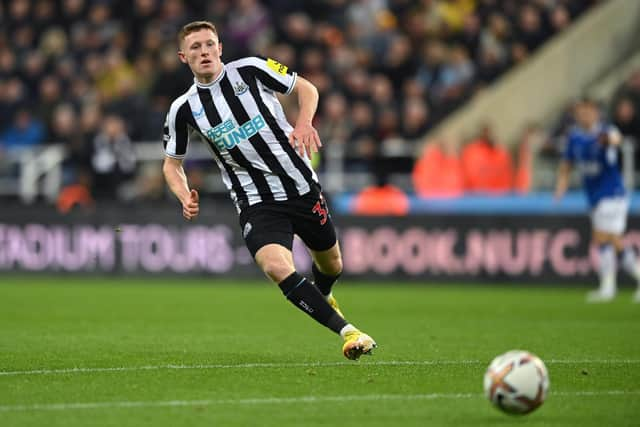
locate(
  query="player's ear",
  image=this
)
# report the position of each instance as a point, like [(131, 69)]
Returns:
[(182, 57)]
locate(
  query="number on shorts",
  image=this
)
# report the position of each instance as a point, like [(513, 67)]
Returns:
[(322, 212)]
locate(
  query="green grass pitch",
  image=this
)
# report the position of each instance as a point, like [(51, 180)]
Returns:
[(195, 352)]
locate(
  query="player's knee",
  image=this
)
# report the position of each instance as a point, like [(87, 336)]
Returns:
[(276, 269), (333, 266)]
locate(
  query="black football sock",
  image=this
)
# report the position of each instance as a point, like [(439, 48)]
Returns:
[(307, 298), (323, 281)]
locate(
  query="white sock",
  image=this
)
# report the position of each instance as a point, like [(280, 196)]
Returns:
[(630, 263), (348, 328), (607, 269)]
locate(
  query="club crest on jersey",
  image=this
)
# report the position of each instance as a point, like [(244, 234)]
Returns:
[(227, 135), (239, 88)]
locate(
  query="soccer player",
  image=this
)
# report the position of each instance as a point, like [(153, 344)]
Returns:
[(593, 149), (265, 164)]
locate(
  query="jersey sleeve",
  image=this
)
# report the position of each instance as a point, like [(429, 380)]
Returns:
[(176, 134), (274, 75)]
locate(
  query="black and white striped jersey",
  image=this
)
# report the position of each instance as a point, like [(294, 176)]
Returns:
[(240, 118)]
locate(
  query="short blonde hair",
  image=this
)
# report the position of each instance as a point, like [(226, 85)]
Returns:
[(194, 26)]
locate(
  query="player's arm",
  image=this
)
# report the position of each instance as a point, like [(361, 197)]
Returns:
[(562, 179), (279, 78), (175, 141), (177, 182), (304, 132), (611, 137)]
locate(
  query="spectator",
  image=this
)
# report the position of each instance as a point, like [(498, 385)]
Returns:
[(49, 96), (487, 166), (494, 39), (8, 63), (362, 146), (139, 17), (76, 195), (381, 199), (398, 62), (457, 74), (249, 27), (170, 77), (26, 131), (530, 30), (381, 92), (63, 123), (73, 12), (12, 96), (438, 172), (19, 13), (79, 146), (530, 143), (627, 119), (335, 126), (415, 121), (631, 89), (113, 159), (559, 18), (388, 124), (33, 67)]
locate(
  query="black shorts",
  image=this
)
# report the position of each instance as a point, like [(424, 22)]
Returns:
[(277, 222)]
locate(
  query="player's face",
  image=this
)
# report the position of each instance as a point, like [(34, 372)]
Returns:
[(201, 50), (586, 115)]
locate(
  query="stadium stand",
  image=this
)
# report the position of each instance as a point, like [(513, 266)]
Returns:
[(388, 70)]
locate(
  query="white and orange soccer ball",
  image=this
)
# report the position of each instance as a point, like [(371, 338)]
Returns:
[(516, 382)]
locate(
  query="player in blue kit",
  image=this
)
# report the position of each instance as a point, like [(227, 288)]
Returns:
[(592, 148)]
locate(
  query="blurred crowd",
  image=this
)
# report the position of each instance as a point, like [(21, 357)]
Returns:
[(97, 75), (622, 110), (484, 165), (625, 111)]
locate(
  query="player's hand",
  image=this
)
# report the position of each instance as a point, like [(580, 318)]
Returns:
[(191, 206), (308, 139)]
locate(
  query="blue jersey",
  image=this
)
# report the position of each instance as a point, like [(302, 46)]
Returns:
[(597, 162)]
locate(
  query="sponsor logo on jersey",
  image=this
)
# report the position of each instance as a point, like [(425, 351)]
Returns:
[(276, 66), (227, 135), (239, 88)]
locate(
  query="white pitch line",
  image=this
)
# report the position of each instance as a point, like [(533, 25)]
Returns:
[(278, 400), (238, 366), (300, 365)]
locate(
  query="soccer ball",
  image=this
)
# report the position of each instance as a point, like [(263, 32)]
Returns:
[(516, 382)]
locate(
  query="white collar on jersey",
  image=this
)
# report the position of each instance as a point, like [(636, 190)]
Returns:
[(216, 80)]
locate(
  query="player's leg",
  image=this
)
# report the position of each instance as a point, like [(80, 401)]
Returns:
[(628, 259), (613, 229), (609, 221), (277, 263), (606, 268), (313, 224), (327, 268)]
